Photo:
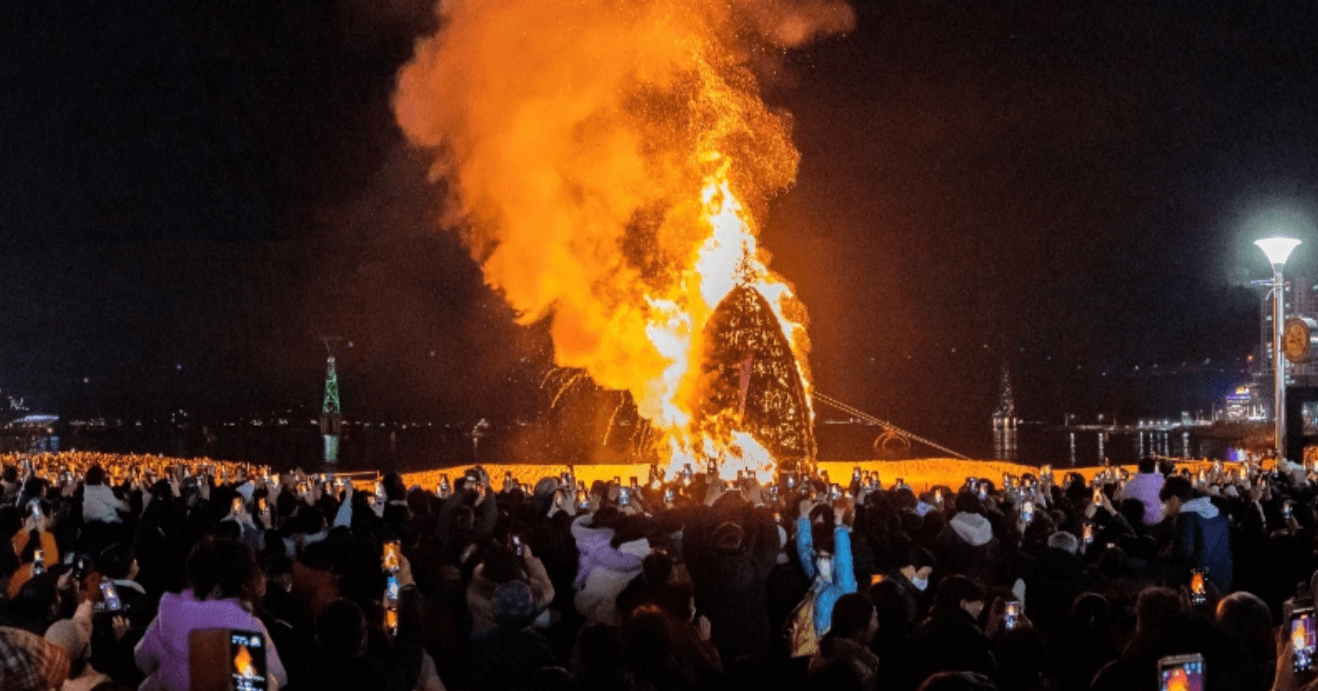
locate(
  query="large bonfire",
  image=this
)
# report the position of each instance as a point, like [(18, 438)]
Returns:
[(607, 161)]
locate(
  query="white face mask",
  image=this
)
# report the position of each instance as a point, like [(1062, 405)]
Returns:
[(920, 583), (825, 565)]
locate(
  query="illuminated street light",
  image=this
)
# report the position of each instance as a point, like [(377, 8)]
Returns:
[(1278, 250)]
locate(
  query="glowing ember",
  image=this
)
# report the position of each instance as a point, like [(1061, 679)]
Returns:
[(606, 161)]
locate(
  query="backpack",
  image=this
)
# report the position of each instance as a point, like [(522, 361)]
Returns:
[(799, 631)]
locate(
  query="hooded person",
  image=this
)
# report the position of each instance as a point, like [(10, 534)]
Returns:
[(1201, 534), (967, 547)]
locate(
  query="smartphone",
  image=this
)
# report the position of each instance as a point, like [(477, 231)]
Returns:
[(634, 483), (445, 488), (1089, 533), (901, 482), (583, 500), (237, 507), (1287, 509), (834, 492), (983, 491), (617, 480), (1098, 496), (856, 474), (624, 496), (1181, 673), (713, 467), (668, 495), (938, 498), (1027, 511), (38, 562), (876, 579), (1013, 617), (35, 507), (391, 557), (1198, 587), (247, 651), (686, 470), (518, 546), (791, 481), (1304, 638), (391, 590), (773, 492), (262, 505), (391, 621), (110, 597)]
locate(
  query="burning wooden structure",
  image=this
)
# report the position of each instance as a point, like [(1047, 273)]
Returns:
[(751, 381)]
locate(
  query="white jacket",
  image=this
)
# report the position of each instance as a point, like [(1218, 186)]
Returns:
[(597, 600), (100, 504)]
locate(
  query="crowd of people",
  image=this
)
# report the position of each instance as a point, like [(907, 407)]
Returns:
[(121, 566)]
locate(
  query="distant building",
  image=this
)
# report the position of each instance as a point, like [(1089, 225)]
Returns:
[(1244, 404), (1301, 300)]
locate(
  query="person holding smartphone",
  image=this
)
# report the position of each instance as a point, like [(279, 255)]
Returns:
[(1201, 534), (831, 570), (226, 581)]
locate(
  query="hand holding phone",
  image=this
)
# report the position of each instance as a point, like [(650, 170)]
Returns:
[(110, 596), (1181, 673), (1304, 638), (1012, 618)]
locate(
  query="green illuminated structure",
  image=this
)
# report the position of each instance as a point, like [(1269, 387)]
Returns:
[(331, 413)]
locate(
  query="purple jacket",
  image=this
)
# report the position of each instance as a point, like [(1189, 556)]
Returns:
[(162, 654), (1145, 487), (595, 548)]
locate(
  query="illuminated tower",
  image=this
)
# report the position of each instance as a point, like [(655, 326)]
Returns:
[(1004, 420), (331, 413)]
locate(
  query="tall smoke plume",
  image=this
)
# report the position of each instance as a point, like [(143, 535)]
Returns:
[(579, 139)]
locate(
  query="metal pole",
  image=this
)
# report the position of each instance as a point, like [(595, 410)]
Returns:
[(1278, 361)]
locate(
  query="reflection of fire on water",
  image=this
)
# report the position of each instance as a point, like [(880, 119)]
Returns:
[(607, 167)]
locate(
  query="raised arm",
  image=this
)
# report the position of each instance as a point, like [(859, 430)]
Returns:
[(844, 573), (805, 547)]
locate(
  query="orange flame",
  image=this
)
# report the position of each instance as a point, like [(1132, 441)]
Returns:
[(605, 162)]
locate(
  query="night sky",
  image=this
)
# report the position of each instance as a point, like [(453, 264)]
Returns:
[(192, 193)]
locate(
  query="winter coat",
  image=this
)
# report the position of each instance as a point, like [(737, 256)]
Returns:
[(100, 504), (595, 549), (950, 640), (162, 653), (1145, 487), (481, 591), (730, 586), (860, 660), (1051, 586), (597, 600), (844, 577), (967, 547), (1201, 538)]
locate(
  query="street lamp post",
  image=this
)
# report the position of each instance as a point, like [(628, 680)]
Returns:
[(1278, 250)]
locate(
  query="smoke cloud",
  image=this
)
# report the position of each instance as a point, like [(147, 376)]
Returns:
[(575, 139)]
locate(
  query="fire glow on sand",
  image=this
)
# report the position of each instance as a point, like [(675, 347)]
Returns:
[(606, 164)]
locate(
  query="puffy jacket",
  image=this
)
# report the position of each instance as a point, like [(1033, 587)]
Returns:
[(162, 653), (844, 576), (595, 549)]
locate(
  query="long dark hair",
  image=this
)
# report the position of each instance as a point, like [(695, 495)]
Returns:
[(220, 568)]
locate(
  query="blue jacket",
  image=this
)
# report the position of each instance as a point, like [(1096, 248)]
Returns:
[(1202, 537), (844, 576)]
